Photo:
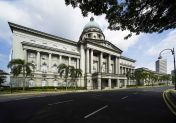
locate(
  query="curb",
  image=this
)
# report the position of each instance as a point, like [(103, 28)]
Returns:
[(72, 91), (168, 99)]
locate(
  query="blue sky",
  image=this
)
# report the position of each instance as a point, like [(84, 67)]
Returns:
[(57, 19)]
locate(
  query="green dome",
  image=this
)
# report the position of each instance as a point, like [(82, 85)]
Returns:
[(92, 24)]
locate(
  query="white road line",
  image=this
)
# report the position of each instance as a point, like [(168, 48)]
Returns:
[(22, 98), (95, 111), (59, 102), (124, 97)]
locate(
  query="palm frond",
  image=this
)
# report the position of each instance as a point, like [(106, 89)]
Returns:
[(61, 67), (61, 73), (16, 70), (15, 62)]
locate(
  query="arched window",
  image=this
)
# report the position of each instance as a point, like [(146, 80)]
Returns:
[(31, 83), (55, 83), (44, 83), (54, 68), (44, 67)]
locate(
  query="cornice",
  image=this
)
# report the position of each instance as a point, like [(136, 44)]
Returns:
[(125, 58), (14, 26), (48, 48), (114, 50)]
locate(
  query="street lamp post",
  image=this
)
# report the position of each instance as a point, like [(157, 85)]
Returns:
[(173, 53)]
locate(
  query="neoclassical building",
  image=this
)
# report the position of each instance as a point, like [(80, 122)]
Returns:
[(101, 62)]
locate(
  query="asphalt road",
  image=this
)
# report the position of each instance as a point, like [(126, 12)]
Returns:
[(140, 105)]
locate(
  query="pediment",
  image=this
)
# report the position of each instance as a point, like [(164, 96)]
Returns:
[(106, 44)]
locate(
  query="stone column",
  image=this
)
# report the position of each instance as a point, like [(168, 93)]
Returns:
[(49, 62), (117, 83), (69, 61), (87, 61), (77, 63), (38, 61), (100, 62), (25, 55), (109, 63), (125, 83), (82, 59), (91, 61), (115, 66), (118, 65), (99, 83), (60, 59), (109, 83)]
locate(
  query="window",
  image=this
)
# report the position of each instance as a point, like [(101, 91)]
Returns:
[(99, 36), (31, 55), (31, 83), (44, 67), (89, 35), (44, 83), (44, 57), (54, 68)]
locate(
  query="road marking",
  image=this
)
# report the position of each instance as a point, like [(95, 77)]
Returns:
[(95, 111), (124, 97), (22, 98), (60, 102)]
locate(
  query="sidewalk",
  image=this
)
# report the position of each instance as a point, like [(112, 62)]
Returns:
[(34, 94), (169, 97)]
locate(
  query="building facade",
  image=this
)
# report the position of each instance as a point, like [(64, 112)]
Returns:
[(161, 66), (101, 62)]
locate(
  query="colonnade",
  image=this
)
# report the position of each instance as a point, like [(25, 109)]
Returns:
[(38, 59), (89, 62)]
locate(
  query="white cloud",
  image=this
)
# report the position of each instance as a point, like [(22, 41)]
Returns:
[(117, 38), (168, 42), (57, 18), (10, 12)]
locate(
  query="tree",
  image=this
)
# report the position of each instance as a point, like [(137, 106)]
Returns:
[(153, 77), (138, 75), (19, 66), (145, 76), (138, 16), (76, 74), (68, 71), (2, 77), (128, 75), (166, 78)]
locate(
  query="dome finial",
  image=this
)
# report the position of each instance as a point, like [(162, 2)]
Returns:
[(91, 19)]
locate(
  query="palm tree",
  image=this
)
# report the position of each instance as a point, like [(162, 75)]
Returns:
[(3, 76), (145, 76), (128, 75), (166, 78), (138, 75), (153, 78), (19, 66), (76, 73), (66, 71)]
